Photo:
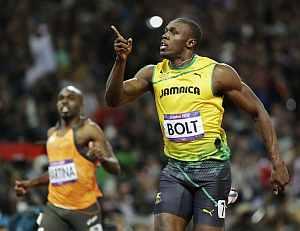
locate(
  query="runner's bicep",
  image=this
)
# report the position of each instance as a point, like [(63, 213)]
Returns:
[(98, 137), (109, 149), (246, 99), (137, 86), (95, 134)]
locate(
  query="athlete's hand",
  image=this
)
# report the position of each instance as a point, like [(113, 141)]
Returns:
[(279, 177), (232, 196), (21, 187), (122, 46), (96, 151)]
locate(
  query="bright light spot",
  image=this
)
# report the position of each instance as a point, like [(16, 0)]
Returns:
[(154, 22)]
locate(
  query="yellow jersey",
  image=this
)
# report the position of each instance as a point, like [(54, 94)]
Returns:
[(72, 181), (190, 115)]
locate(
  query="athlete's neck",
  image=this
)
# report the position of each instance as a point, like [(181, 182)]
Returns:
[(66, 123), (181, 61)]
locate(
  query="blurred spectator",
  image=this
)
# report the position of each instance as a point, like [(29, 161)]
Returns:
[(42, 52)]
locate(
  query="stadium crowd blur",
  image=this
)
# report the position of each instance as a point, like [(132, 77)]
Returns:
[(45, 45)]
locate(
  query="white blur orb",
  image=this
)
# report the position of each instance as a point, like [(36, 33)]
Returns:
[(291, 104), (155, 22)]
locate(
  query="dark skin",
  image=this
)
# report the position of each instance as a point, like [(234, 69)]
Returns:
[(88, 135), (178, 45)]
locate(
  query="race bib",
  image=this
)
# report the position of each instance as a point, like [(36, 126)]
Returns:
[(62, 172), (221, 208), (183, 127)]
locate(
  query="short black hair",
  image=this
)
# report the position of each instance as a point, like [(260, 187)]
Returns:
[(195, 28)]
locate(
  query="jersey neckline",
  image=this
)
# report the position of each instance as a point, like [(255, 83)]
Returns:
[(184, 65)]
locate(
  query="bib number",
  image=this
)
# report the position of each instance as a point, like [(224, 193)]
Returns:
[(62, 172), (183, 127), (221, 208)]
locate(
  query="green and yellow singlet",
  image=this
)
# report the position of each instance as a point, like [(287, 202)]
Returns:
[(190, 115)]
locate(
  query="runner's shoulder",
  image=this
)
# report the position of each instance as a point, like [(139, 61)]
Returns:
[(51, 131), (91, 126), (146, 73)]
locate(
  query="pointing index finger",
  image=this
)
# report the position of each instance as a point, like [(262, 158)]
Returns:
[(116, 31)]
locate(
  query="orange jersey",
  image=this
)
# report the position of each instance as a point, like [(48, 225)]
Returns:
[(72, 178)]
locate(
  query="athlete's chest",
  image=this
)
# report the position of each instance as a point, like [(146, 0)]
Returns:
[(182, 87), (60, 141)]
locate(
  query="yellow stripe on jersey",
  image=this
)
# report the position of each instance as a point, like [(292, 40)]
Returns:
[(190, 115)]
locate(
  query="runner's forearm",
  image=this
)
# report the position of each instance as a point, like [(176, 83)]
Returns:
[(268, 134), (114, 84), (39, 181), (111, 165)]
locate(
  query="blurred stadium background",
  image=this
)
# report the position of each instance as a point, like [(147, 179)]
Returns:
[(45, 45)]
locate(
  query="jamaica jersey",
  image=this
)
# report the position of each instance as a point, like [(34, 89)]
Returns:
[(190, 115), (72, 177)]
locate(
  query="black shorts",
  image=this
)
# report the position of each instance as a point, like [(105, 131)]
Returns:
[(55, 218), (195, 189)]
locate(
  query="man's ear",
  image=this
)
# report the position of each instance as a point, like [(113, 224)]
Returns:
[(191, 43)]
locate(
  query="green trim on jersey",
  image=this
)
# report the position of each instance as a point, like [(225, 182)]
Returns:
[(180, 74), (153, 74), (183, 66), (223, 153)]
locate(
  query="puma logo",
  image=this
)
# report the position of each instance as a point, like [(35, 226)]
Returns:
[(208, 212), (198, 74)]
